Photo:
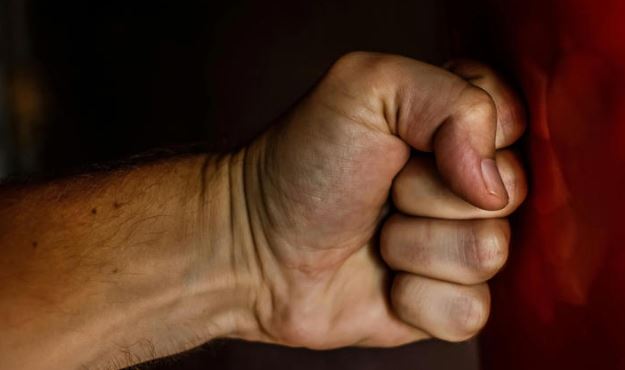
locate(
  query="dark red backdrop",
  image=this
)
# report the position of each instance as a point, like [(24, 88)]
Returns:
[(560, 303)]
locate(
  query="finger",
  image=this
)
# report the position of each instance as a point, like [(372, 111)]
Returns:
[(419, 190), (464, 252), (446, 311), (510, 114), (429, 108), (464, 148)]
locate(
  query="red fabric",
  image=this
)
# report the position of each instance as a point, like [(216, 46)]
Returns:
[(560, 303)]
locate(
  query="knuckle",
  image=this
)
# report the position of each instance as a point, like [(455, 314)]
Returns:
[(514, 179), (352, 63), (487, 249), (366, 66), (354, 58), (516, 115), (468, 68), (477, 105), (470, 312), (302, 330), (402, 251)]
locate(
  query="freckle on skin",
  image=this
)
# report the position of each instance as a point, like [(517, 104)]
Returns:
[(94, 211), (115, 270), (116, 205), (35, 244)]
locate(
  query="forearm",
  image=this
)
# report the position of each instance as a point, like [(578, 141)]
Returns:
[(118, 268)]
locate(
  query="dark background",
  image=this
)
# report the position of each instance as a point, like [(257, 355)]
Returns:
[(94, 81)]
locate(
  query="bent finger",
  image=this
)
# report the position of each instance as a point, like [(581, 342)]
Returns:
[(510, 114), (446, 311), (419, 190)]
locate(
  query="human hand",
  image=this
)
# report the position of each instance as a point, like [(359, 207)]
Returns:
[(317, 191), (289, 241)]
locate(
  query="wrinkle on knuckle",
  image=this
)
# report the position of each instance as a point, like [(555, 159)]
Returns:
[(476, 105), (514, 116), (514, 180), (469, 314), (372, 80), (485, 248)]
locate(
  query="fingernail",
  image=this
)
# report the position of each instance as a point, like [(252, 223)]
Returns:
[(492, 178)]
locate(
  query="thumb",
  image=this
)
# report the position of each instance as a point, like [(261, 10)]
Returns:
[(430, 109), (436, 110), (464, 148)]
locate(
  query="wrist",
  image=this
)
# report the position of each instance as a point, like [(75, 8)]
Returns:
[(187, 286), (157, 267), (226, 264), (117, 268), (209, 279)]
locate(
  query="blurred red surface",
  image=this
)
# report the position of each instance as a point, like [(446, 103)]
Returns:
[(560, 303)]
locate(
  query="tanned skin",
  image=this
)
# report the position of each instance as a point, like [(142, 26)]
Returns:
[(371, 214)]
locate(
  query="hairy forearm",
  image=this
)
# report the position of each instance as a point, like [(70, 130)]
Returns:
[(112, 269)]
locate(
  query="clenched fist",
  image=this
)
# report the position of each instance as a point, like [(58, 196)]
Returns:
[(377, 205), (371, 214)]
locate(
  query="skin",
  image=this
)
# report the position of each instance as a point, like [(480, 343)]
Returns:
[(371, 214)]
